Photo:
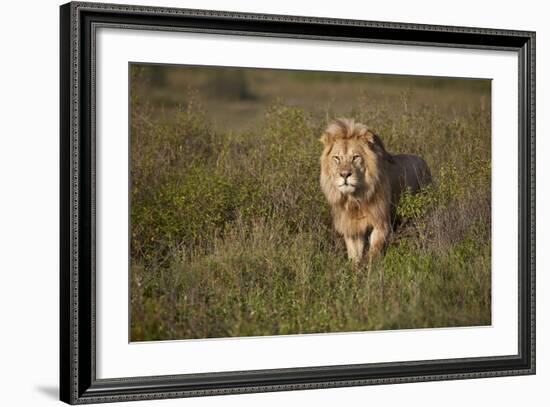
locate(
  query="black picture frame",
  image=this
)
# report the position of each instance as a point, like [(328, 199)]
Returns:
[(78, 382)]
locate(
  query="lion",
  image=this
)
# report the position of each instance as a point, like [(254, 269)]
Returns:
[(363, 183)]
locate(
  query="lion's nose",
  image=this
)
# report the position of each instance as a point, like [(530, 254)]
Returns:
[(345, 174)]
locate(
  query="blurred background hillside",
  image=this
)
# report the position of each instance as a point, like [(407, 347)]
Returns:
[(237, 98)]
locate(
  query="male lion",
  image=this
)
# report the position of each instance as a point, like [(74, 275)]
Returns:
[(363, 183)]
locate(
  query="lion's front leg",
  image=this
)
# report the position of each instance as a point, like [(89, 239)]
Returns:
[(378, 239), (355, 246)]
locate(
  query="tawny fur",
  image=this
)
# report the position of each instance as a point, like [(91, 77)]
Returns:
[(363, 183)]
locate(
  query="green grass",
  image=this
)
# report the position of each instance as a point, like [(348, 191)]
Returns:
[(231, 235)]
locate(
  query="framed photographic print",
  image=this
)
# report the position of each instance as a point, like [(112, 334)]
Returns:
[(256, 203)]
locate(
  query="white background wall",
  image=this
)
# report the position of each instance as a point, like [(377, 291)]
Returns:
[(29, 163)]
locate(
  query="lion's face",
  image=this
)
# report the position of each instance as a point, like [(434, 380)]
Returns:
[(350, 162), (348, 166)]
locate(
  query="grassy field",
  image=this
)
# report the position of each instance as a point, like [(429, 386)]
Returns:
[(231, 235)]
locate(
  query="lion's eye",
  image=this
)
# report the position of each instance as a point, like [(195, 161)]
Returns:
[(336, 159), (356, 157)]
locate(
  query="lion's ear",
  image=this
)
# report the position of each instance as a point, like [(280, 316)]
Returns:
[(376, 145), (327, 139)]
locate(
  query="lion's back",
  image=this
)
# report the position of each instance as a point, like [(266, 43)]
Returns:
[(409, 171)]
